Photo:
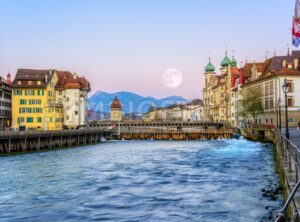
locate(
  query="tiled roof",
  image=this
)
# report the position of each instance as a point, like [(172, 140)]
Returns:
[(23, 76), (273, 67), (195, 102), (116, 104), (67, 80)]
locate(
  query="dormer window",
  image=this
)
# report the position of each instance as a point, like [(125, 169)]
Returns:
[(39, 82), (290, 66), (29, 83), (284, 63), (19, 83)]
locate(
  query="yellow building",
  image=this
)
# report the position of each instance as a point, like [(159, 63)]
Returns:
[(217, 91), (33, 101)]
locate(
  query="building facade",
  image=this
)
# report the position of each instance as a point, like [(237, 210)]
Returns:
[(48, 100), (33, 101), (71, 93), (269, 77), (217, 90), (5, 103), (192, 111)]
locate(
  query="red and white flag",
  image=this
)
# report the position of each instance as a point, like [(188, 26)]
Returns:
[(296, 25)]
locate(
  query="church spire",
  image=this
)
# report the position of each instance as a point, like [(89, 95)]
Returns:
[(209, 68)]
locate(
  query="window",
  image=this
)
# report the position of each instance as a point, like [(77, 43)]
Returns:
[(29, 120), (39, 119), (266, 89), (290, 86), (29, 83), (20, 120), (271, 103), (290, 102), (39, 82), (266, 104), (29, 92), (271, 88), (76, 112), (23, 101), (60, 93), (40, 92), (18, 92), (35, 102)]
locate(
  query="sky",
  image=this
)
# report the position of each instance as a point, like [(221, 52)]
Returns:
[(127, 45)]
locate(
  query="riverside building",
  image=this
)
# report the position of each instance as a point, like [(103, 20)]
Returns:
[(266, 77), (33, 101), (48, 100), (190, 112), (5, 102), (71, 93), (217, 90), (269, 76)]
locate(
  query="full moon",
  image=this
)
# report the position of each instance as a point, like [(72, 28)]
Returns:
[(172, 78)]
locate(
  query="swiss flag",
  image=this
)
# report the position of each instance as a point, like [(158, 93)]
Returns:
[(296, 28)]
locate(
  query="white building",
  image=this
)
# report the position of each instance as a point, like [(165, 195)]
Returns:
[(268, 77), (5, 103), (72, 92), (192, 111)]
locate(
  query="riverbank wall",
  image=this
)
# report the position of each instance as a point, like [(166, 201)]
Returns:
[(286, 156)]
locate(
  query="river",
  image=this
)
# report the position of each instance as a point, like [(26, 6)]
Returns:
[(141, 181)]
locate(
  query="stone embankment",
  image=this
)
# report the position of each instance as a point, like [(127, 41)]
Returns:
[(287, 156)]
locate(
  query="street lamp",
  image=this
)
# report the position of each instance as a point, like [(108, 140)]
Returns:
[(279, 113), (285, 89)]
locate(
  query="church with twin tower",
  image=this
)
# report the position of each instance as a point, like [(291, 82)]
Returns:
[(217, 90)]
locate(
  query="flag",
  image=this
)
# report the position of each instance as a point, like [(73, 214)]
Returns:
[(296, 41), (90, 113), (296, 25)]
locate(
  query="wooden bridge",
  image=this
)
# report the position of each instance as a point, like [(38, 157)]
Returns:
[(163, 124), (19, 141), (141, 130)]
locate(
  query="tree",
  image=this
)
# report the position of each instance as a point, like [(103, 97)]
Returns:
[(252, 103)]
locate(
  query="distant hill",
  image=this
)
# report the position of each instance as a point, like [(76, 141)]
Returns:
[(132, 103)]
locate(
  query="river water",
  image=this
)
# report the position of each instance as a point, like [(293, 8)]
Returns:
[(140, 181)]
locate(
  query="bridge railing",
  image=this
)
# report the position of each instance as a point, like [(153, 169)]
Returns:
[(290, 163), (172, 130), (51, 132)]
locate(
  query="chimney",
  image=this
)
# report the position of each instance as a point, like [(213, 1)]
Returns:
[(74, 75), (46, 78), (8, 78), (296, 63)]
